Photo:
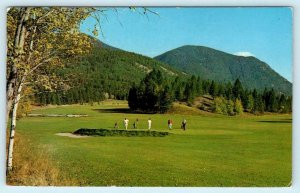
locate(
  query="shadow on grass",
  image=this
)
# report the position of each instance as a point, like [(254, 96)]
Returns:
[(277, 121), (120, 110)]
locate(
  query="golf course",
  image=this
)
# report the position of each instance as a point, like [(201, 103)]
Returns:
[(215, 150)]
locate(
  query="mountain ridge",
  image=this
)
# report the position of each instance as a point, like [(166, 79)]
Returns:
[(210, 63)]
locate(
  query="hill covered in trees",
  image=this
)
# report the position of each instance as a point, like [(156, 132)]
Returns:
[(219, 66), (107, 72)]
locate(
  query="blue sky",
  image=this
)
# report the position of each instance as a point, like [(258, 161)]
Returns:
[(265, 33)]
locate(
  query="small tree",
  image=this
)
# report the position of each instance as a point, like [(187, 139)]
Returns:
[(250, 103), (221, 106), (230, 107), (238, 107)]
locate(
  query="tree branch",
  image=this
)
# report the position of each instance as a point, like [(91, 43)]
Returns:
[(47, 14)]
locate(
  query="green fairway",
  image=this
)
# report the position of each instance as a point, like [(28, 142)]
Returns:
[(215, 150)]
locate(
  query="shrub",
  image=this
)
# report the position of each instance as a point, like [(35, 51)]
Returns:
[(227, 107), (230, 107), (238, 107), (24, 108), (218, 103), (115, 132)]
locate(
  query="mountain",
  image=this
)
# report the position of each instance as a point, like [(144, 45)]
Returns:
[(105, 70), (97, 44), (216, 65)]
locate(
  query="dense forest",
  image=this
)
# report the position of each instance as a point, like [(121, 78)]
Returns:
[(156, 94)]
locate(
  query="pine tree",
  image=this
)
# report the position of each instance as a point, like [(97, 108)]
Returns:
[(165, 101), (213, 89), (272, 101), (250, 103), (228, 91), (133, 98), (237, 89)]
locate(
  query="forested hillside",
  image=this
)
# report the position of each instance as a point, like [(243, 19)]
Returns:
[(107, 72), (223, 67)]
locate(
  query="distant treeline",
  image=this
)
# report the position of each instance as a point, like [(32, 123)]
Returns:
[(232, 95), (156, 92)]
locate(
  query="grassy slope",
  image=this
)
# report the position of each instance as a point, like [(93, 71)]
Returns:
[(214, 151)]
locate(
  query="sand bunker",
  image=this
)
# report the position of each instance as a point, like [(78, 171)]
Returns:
[(71, 135)]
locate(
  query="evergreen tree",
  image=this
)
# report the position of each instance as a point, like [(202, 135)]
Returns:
[(272, 101), (250, 103), (259, 105), (237, 89), (228, 91), (221, 90), (199, 86), (133, 98), (165, 101), (213, 89)]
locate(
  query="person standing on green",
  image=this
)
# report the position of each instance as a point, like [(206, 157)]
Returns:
[(184, 124), (170, 123), (126, 121), (149, 123)]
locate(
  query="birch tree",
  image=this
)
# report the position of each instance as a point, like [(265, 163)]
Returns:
[(39, 40)]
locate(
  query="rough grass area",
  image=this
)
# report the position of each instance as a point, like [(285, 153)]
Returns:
[(115, 132), (34, 166)]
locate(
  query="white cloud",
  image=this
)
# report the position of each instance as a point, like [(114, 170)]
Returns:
[(245, 54)]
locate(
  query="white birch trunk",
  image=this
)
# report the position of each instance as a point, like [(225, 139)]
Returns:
[(12, 129), (19, 42)]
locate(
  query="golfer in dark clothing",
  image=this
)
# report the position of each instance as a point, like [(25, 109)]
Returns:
[(183, 124)]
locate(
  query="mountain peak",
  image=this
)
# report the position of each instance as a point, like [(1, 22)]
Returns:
[(209, 63)]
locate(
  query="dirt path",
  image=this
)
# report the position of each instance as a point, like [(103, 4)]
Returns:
[(71, 135)]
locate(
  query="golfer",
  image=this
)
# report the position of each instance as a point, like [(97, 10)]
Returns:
[(149, 123), (126, 121), (183, 124), (170, 123)]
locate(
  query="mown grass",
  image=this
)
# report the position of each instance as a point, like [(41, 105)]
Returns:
[(215, 150)]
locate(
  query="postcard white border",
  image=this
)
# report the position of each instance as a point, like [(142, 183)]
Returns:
[(296, 92)]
